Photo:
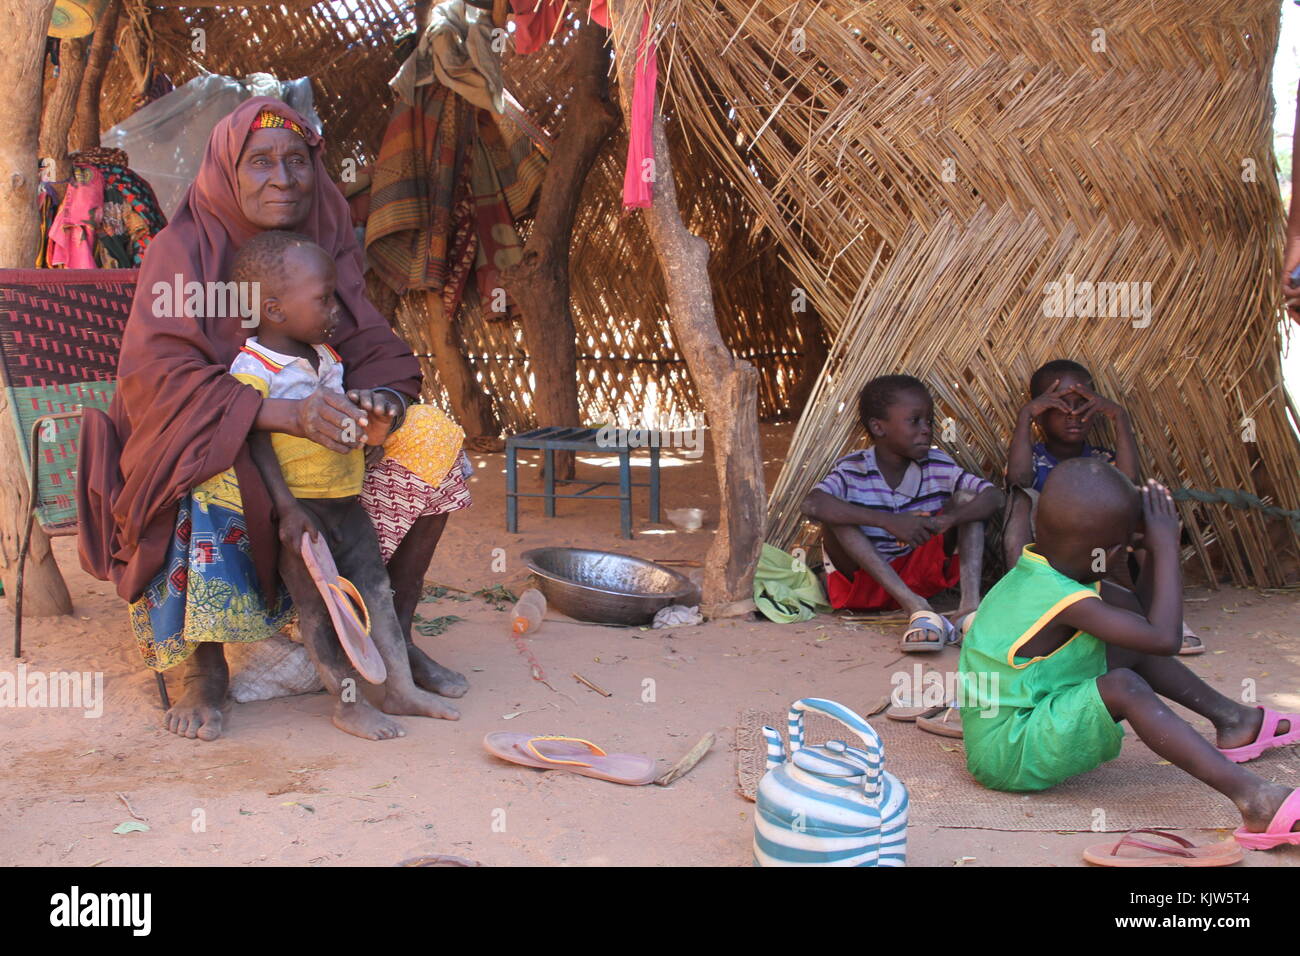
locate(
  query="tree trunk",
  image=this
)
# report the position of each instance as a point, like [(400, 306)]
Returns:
[(22, 59), (539, 282), (727, 385), (61, 108), (85, 128), (468, 401)]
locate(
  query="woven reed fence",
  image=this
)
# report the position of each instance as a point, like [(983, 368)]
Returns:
[(629, 367), (928, 169), (920, 172)]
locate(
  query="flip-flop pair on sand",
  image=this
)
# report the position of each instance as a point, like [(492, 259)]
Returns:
[(944, 720), (572, 754)]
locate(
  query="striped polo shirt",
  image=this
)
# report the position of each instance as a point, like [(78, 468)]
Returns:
[(926, 486)]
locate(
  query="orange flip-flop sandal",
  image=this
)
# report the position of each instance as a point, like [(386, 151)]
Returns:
[(342, 599), (570, 753), (1186, 853)]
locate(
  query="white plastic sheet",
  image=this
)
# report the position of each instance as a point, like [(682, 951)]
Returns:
[(165, 139)]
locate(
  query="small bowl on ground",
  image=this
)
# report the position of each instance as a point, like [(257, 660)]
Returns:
[(686, 519), (605, 587)]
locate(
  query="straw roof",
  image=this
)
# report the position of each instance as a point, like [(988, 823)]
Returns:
[(922, 172)]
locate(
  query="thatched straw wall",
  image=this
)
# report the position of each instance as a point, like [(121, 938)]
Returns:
[(628, 365), (923, 171), (963, 156)]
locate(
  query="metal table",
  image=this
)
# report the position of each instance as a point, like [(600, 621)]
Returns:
[(557, 438)]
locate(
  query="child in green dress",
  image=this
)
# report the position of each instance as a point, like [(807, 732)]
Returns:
[(1057, 657)]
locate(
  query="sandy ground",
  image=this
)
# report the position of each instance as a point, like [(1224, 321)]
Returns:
[(285, 787)]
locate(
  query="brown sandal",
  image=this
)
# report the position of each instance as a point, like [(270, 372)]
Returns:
[(1186, 853)]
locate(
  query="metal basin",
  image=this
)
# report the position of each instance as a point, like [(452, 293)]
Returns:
[(605, 587)]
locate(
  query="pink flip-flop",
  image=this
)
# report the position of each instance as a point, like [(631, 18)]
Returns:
[(342, 600), (573, 754), (1268, 737), (1279, 832)]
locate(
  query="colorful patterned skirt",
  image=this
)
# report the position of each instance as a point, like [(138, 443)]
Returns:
[(207, 589)]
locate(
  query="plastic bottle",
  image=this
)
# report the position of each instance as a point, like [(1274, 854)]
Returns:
[(528, 613)]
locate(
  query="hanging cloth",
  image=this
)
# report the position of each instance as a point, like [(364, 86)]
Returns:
[(535, 21), (638, 176), (72, 236)]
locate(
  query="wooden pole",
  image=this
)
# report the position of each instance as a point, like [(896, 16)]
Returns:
[(86, 127), (469, 402), (539, 282), (22, 58), (61, 107), (728, 386)]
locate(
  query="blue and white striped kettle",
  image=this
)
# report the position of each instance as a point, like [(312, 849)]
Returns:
[(832, 805)]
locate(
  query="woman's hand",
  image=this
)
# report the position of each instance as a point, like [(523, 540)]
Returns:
[(380, 411), (329, 419)]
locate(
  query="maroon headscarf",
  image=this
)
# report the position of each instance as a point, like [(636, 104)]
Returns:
[(179, 418)]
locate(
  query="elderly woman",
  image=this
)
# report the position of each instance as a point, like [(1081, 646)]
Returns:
[(173, 510)]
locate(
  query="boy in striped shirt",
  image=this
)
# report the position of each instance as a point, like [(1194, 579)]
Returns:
[(901, 521)]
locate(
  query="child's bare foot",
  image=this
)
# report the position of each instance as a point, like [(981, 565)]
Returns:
[(417, 703), (362, 720), (1258, 812), (1241, 733), (433, 677)]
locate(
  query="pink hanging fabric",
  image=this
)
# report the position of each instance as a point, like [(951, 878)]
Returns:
[(638, 187), (535, 21), (72, 234)]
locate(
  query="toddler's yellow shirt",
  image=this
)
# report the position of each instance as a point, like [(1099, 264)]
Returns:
[(310, 470)]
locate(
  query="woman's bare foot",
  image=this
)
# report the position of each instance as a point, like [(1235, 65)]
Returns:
[(433, 677), (416, 703), (1259, 811), (197, 714), (362, 720)]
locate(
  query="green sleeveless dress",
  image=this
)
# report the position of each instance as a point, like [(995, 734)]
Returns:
[(1030, 723)]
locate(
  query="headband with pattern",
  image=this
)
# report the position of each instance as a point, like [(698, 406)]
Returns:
[(268, 120)]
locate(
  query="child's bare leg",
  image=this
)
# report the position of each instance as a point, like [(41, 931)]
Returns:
[(1017, 533), (1235, 724), (353, 714), (970, 553), (356, 552), (1128, 696), (849, 549)]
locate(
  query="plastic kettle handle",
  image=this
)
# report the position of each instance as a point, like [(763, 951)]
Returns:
[(850, 719)]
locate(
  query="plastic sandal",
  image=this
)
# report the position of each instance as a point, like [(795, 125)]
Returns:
[(1279, 832), (926, 622), (1191, 650), (948, 724), (1186, 853), (573, 754), (342, 601), (1268, 737)]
